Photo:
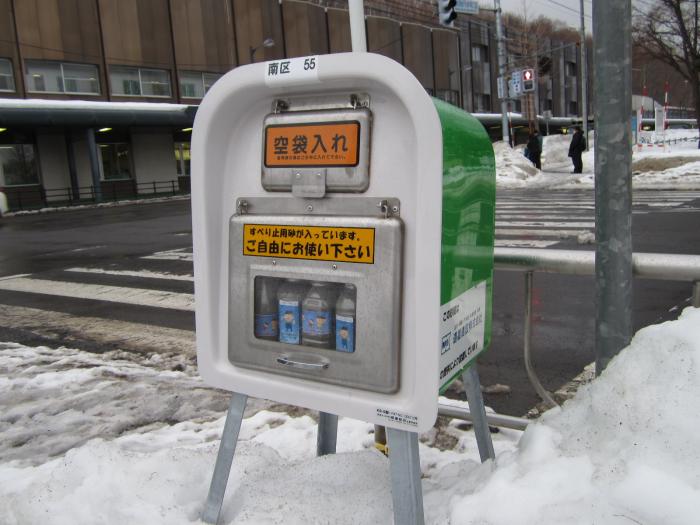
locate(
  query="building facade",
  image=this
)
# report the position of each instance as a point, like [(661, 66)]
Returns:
[(99, 67)]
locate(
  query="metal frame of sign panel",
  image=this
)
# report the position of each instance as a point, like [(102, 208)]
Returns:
[(405, 163)]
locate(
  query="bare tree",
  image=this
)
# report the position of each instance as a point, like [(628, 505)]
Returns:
[(668, 32)]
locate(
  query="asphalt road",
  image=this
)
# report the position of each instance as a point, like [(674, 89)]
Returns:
[(123, 239)]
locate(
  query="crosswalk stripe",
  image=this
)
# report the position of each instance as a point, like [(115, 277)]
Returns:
[(129, 273), (171, 255), (561, 234), (545, 224), (523, 218), (113, 294), (524, 243)]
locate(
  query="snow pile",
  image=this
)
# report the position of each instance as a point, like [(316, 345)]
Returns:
[(675, 166), (622, 451), (54, 400)]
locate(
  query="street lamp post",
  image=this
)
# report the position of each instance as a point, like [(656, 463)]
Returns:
[(268, 42)]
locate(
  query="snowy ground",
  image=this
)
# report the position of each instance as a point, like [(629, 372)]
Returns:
[(119, 438), (677, 166)]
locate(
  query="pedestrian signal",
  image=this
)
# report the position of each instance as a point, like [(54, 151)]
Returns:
[(528, 80)]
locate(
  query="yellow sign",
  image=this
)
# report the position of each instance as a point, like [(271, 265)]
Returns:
[(318, 243), (320, 144)]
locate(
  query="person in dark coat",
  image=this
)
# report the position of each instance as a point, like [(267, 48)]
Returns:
[(534, 149), (576, 149)]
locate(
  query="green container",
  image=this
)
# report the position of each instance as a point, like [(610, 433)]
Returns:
[(468, 219)]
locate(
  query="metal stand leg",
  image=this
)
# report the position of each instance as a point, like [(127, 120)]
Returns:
[(327, 434), (406, 490), (472, 388), (227, 448)]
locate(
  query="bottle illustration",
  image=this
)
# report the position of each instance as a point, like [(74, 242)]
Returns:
[(345, 320), (317, 316), (266, 322), (289, 298)]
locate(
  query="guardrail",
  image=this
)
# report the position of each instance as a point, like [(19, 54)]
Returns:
[(36, 196), (661, 266)]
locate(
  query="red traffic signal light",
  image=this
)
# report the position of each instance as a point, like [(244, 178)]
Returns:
[(528, 80)]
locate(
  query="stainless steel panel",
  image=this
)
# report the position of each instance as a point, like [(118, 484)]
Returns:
[(375, 363)]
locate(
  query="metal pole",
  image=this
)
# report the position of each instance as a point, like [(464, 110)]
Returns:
[(496, 420), (406, 489), (696, 294), (534, 380), (502, 69), (612, 21), (472, 387), (327, 435), (357, 26), (94, 163), (584, 77), (224, 458)]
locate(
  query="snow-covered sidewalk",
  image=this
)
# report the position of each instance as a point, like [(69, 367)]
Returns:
[(624, 450)]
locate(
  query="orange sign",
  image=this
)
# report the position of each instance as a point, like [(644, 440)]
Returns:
[(318, 144), (327, 243)]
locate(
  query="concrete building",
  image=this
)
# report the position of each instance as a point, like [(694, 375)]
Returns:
[(97, 97)]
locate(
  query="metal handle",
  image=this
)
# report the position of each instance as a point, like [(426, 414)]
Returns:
[(304, 365)]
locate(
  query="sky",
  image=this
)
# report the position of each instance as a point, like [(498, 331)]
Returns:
[(565, 10)]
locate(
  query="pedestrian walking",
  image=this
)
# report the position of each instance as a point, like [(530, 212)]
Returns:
[(534, 148), (576, 149)]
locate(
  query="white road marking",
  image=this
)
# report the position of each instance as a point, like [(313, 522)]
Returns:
[(524, 243), (15, 276), (113, 294), (547, 224), (129, 273), (171, 255), (534, 216), (559, 234)]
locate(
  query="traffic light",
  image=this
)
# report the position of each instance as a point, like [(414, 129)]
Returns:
[(528, 80), (446, 12)]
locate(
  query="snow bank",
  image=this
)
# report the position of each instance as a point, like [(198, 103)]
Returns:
[(677, 166), (624, 450)]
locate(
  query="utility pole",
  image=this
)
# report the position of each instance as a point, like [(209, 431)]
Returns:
[(502, 69), (584, 77), (612, 27)]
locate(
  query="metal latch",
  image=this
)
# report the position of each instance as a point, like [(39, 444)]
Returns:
[(309, 183)]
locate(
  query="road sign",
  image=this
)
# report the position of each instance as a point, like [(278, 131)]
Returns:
[(467, 7), (315, 144), (516, 84)]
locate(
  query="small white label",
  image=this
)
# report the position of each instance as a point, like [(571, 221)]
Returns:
[(292, 70), (394, 418), (462, 322)]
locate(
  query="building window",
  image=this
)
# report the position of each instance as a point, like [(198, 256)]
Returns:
[(571, 69), (195, 84), (7, 77), (448, 95), (482, 103), (18, 165), (573, 107), (480, 53), (116, 161), (182, 158), (139, 82), (60, 77)]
